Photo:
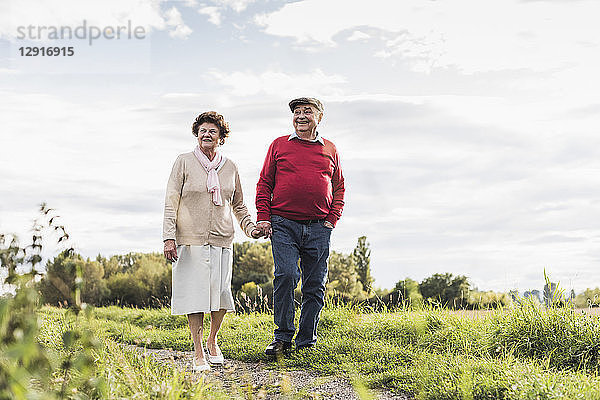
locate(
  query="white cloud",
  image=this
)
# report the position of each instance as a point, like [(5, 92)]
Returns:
[(278, 83), (214, 14), (217, 8), (235, 5), (104, 164), (149, 14), (469, 34), (91, 160), (486, 173), (181, 30), (9, 71), (358, 36), (430, 188)]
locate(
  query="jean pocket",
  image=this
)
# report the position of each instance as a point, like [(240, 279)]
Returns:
[(276, 218), (325, 226)]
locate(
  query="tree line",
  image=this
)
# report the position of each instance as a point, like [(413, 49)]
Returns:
[(133, 279), (144, 280)]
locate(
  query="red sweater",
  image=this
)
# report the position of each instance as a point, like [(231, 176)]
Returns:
[(300, 180)]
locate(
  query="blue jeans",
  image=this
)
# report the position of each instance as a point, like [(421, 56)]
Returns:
[(310, 243)]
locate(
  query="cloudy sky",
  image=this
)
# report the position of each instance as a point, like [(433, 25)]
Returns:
[(468, 130)]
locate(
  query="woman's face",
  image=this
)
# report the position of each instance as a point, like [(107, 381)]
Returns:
[(208, 136)]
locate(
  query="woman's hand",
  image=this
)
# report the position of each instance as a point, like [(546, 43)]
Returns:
[(170, 250), (265, 228), (256, 233)]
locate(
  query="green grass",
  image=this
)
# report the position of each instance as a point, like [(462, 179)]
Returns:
[(524, 353), (121, 374)]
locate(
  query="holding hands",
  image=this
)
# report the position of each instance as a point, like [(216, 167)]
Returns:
[(260, 230), (170, 250), (265, 228), (256, 233)]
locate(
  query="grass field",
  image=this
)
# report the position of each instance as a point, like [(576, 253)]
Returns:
[(117, 374), (524, 353)]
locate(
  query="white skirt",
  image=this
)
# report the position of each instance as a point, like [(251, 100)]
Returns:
[(202, 280)]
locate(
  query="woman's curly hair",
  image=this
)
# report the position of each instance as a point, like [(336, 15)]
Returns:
[(214, 118)]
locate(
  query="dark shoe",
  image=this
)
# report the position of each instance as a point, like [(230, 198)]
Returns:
[(278, 347), (305, 346)]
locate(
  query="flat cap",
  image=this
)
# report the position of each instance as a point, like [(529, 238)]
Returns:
[(306, 100)]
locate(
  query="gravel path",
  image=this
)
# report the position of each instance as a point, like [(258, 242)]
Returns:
[(264, 383)]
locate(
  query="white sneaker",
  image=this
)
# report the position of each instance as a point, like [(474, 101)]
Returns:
[(218, 359), (200, 367)]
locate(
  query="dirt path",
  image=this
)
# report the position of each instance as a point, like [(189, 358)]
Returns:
[(264, 383)]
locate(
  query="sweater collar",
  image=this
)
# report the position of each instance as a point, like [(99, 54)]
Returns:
[(317, 139)]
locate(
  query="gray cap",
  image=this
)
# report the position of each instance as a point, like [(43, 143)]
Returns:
[(306, 100)]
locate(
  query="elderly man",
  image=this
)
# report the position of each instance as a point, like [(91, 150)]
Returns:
[(299, 199)]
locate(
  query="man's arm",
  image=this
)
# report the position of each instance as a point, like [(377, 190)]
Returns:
[(264, 191), (337, 183)]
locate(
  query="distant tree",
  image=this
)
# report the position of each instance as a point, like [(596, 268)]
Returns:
[(362, 259), (446, 289), (380, 292), (408, 291), (589, 298), (133, 279), (94, 289), (533, 294), (267, 290), (252, 262), (250, 288), (125, 262), (343, 279), (486, 300), (55, 285), (111, 266), (239, 249), (550, 293), (138, 279), (153, 272)]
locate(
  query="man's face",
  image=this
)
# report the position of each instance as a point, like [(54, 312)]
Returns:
[(305, 118)]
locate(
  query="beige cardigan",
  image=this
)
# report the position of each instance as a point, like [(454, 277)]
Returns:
[(190, 215)]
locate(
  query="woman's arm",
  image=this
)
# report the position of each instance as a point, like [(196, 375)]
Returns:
[(172, 199), (241, 211)]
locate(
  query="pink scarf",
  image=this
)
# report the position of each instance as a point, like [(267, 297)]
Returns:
[(212, 183)]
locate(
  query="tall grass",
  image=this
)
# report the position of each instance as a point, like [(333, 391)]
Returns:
[(561, 337), (121, 374), (528, 352)]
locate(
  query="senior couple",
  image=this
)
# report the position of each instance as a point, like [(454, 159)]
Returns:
[(299, 199)]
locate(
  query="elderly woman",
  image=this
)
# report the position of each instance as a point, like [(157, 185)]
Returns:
[(203, 189)]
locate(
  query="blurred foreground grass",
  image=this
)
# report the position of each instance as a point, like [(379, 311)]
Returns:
[(121, 374), (523, 353)]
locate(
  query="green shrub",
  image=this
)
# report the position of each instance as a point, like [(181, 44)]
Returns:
[(26, 368), (563, 337)]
